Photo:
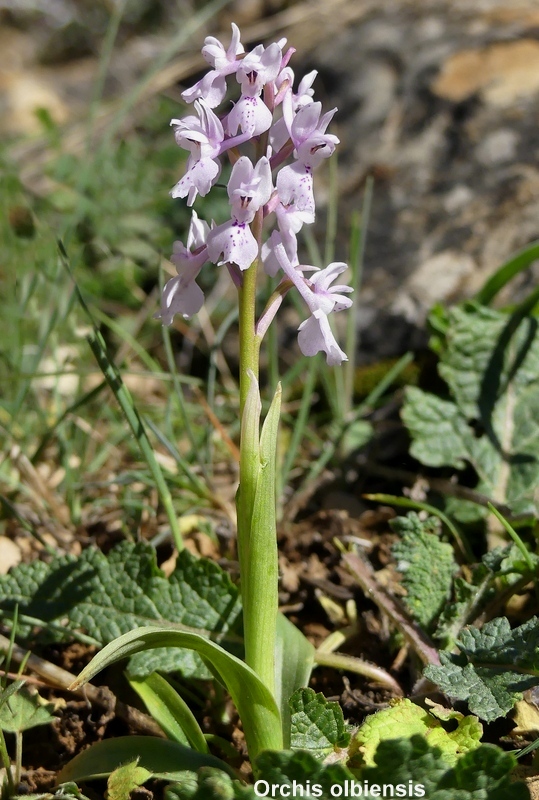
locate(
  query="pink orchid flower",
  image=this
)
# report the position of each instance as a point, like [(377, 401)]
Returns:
[(249, 188)]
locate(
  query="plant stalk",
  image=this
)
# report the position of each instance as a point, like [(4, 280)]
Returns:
[(257, 538)]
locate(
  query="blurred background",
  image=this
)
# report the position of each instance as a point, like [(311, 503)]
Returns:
[(438, 101), (438, 106)]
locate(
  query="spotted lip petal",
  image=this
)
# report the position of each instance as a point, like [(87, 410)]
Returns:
[(232, 242), (315, 336)]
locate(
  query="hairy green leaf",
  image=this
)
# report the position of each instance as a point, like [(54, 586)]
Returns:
[(317, 725), (495, 665), (490, 362), (405, 719), (298, 767), (22, 711), (500, 567), (209, 784), (481, 774), (409, 767), (124, 779), (109, 595), (427, 566)]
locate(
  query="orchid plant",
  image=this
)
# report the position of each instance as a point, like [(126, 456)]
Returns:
[(274, 137)]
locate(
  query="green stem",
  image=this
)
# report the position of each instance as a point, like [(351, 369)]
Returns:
[(5, 760), (257, 538), (249, 342), (261, 601)]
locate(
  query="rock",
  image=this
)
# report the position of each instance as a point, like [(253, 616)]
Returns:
[(10, 555)]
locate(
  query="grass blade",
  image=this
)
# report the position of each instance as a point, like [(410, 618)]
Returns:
[(516, 264), (125, 400)]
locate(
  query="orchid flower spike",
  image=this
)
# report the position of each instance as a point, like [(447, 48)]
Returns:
[(296, 129)]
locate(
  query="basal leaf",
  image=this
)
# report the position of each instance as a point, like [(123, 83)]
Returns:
[(160, 757), (106, 596), (317, 724), (256, 706), (427, 566), (170, 711), (495, 665), (490, 362), (294, 659), (405, 719)]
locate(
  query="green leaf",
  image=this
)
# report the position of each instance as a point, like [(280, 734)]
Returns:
[(490, 362), (260, 593), (512, 267), (110, 595), (405, 719), (170, 711), (481, 774), (63, 792), (257, 709), (441, 435), (509, 563), (468, 599), (427, 566), (294, 660), (9, 691), (495, 665), (209, 784), (23, 711), (317, 725), (500, 567), (125, 779), (160, 757), (292, 767)]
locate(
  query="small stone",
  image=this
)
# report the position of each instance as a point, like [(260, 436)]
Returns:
[(10, 555), (497, 147)]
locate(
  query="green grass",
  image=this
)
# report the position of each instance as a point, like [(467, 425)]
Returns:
[(92, 231)]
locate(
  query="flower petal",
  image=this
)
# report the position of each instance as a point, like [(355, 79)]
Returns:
[(315, 335)]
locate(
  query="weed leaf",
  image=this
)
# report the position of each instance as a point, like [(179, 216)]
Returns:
[(427, 566), (495, 665), (405, 719), (109, 595), (477, 775), (490, 362), (317, 724)]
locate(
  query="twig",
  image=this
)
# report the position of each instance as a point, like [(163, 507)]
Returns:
[(359, 667), (416, 638), (441, 485), (59, 678)]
